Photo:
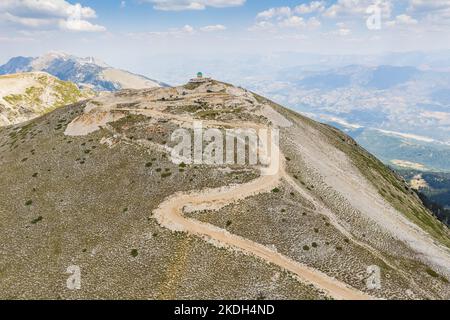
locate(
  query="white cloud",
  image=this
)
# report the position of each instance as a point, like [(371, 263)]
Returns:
[(314, 6), (286, 12), (435, 12), (80, 25), (280, 12), (402, 19), (27, 22), (429, 5), (262, 25), (285, 17), (213, 28), (342, 32), (123, 4), (345, 8), (179, 5), (300, 22), (293, 22), (39, 13), (45, 8), (314, 23), (187, 29)]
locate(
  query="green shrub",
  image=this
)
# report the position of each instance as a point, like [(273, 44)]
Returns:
[(134, 253), (261, 297), (29, 203), (38, 219), (432, 273)]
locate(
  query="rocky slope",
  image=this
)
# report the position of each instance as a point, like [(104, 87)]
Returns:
[(25, 96), (93, 185), (85, 72)]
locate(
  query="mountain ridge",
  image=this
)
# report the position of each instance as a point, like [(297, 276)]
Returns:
[(85, 72), (334, 210)]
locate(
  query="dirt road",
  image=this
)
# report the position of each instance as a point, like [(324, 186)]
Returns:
[(170, 215)]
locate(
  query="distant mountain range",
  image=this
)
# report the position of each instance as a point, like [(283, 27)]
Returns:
[(85, 72)]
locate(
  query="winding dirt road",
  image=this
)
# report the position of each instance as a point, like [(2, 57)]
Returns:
[(170, 215)]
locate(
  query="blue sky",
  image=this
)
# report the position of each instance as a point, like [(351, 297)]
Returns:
[(138, 15), (128, 32)]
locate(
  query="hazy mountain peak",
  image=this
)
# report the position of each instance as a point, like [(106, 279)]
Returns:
[(86, 72), (44, 61), (54, 55), (93, 60)]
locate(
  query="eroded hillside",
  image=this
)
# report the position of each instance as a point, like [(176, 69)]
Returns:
[(93, 185)]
